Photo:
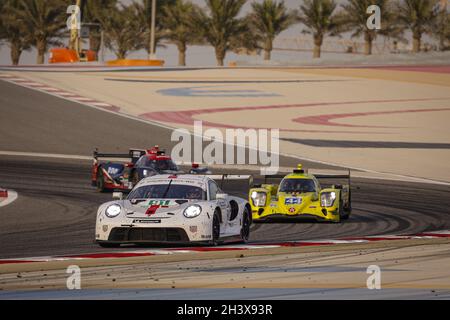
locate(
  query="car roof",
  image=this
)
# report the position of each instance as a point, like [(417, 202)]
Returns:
[(182, 178)]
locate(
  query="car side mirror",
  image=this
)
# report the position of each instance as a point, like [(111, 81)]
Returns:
[(221, 196), (117, 195)]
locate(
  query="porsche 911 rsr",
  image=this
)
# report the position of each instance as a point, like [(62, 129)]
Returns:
[(301, 196), (174, 209), (135, 166)]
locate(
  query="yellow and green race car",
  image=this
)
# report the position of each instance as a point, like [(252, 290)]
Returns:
[(301, 196)]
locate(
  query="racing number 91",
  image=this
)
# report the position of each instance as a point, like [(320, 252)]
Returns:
[(242, 309)]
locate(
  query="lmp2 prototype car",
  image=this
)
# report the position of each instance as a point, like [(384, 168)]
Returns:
[(174, 209), (300, 196), (132, 168)]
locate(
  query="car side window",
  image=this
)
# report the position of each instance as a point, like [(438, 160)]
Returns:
[(213, 190)]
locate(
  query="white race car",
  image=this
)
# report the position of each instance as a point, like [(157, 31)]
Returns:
[(174, 209)]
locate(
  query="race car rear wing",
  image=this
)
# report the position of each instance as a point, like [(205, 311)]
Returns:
[(318, 176), (231, 177), (133, 155), (335, 176)]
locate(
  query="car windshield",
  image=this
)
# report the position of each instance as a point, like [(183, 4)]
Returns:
[(164, 191), (297, 185), (161, 164)]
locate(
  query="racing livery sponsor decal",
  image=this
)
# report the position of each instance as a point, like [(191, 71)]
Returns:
[(154, 205)]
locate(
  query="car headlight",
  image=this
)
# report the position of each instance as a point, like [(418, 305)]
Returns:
[(259, 198), (327, 199), (192, 211), (113, 211)]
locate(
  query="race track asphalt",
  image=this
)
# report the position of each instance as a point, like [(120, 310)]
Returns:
[(55, 211)]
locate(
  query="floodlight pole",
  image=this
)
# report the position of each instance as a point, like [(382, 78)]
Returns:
[(152, 54)]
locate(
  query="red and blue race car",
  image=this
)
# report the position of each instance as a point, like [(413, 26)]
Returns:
[(128, 169)]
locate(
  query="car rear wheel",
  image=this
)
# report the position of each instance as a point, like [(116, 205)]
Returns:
[(341, 210), (245, 231), (347, 210), (215, 229)]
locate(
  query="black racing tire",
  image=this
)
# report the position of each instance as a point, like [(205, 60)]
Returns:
[(215, 230), (246, 223), (135, 178), (108, 245), (100, 181), (348, 210), (341, 210)]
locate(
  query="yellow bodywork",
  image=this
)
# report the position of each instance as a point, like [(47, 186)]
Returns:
[(299, 205)]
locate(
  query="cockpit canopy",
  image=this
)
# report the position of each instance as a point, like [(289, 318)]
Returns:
[(168, 191), (293, 185)]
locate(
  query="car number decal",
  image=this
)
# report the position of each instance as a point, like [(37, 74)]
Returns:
[(293, 201), (162, 203)]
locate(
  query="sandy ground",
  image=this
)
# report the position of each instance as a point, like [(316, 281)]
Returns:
[(386, 105), (405, 264)]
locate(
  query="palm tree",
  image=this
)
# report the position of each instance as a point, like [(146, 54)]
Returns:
[(44, 20), (418, 17), (355, 18), (270, 18), (221, 27), (318, 16), (13, 31), (441, 27), (177, 27), (92, 12), (123, 32)]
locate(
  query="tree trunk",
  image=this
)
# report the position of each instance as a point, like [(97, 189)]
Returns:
[(316, 52), (220, 56), (416, 42), (442, 45), (318, 40), (268, 49), (121, 54), (41, 49), (182, 54), (15, 53), (368, 41), (94, 43)]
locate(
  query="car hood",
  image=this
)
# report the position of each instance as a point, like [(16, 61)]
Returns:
[(295, 202), (156, 207)]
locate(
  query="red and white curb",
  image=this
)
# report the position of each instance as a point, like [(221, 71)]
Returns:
[(58, 92), (153, 252), (7, 197)]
